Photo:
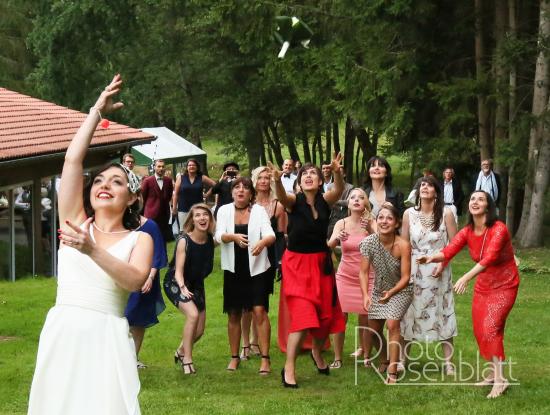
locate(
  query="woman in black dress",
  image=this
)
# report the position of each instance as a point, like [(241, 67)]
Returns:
[(244, 231), (184, 282)]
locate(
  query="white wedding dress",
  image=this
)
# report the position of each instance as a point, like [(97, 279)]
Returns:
[(86, 361)]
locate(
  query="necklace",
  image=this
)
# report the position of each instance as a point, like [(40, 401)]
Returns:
[(427, 221), (241, 209), (111, 233)]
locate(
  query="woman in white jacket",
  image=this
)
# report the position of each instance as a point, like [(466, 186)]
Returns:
[(244, 232)]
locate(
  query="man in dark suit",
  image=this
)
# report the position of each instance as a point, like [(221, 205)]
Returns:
[(453, 194), (156, 191)]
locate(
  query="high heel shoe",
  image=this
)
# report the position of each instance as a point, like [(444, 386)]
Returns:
[(188, 368), (285, 384), (245, 353), (178, 358), (237, 357), (265, 372), (323, 371)]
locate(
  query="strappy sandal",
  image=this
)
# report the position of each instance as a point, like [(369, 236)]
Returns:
[(367, 363), (238, 359), (244, 353), (255, 349), (188, 368), (337, 364), (178, 358), (265, 372), (391, 379), (357, 353), (383, 367)]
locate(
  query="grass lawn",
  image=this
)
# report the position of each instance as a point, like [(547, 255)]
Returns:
[(24, 304)]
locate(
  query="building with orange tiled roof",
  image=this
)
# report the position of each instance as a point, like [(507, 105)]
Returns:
[(34, 136)]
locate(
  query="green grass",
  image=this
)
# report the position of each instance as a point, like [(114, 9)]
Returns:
[(24, 304)]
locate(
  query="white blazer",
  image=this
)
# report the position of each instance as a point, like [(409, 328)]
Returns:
[(258, 227)]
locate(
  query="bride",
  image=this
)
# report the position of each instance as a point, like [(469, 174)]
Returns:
[(86, 361)]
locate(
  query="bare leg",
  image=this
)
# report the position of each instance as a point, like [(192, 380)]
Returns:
[(261, 320), (394, 346), (338, 340), (138, 333), (376, 331), (293, 347), (234, 334), (246, 320), (189, 329), (316, 352), (500, 383), (448, 351), (363, 321), (254, 344)]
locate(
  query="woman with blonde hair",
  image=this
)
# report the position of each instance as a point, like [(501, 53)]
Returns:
[(348, 233), (184, 282), (265, 197)]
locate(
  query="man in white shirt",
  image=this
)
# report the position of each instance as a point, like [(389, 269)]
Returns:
[(453, 195), (326, 169), (288, 178), (488, 180)]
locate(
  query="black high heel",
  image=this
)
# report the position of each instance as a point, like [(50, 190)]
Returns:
[(323, 371), (285, 384), (238, 362)]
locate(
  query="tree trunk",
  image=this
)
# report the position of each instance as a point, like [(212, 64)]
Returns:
[(335, 137), (263, 159), (533, 235), (289, 134), (253, 140), (319, 140), (349, 143), (540, 100), (502, 84), (482, 107), (305, 141), (274, 143), (328, 140), (314, 149), (512, 102)]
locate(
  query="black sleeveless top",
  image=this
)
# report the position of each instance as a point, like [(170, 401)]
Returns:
[(306, 234), (199, 262)]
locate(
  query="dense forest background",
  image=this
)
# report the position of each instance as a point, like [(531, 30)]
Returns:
[(438, 82)]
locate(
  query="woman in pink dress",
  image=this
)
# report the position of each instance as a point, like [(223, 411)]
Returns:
[(348, 233)]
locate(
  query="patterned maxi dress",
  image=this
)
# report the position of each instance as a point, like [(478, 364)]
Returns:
[(387, 273), (431, 315)]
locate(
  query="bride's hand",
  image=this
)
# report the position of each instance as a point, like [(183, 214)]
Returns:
[(105, 103), (78, 238)]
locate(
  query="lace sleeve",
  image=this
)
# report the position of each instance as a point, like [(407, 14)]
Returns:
[(457, 243), (499, 238)]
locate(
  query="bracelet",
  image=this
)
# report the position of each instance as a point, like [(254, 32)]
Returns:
[(98, 112)]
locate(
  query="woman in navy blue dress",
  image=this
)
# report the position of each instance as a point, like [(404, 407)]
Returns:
[(144, 306), (188, 190)]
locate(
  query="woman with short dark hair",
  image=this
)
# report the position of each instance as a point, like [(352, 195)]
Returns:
[(244, 231)]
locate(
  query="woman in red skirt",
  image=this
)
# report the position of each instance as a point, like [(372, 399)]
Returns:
[(309, 287), (497, 281)]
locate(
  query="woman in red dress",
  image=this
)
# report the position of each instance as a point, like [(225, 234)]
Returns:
[(497, 281), (309, 286)]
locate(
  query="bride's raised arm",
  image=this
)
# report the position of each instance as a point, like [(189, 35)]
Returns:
[(70, 201)]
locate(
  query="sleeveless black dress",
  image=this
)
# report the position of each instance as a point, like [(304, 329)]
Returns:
[(241, 291)]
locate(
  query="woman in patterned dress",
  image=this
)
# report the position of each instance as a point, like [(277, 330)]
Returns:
[(497, 282), (429, 226), (390, 256)]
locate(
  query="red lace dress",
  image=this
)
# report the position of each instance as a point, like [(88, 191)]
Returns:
[(496, 287)]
